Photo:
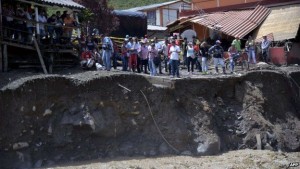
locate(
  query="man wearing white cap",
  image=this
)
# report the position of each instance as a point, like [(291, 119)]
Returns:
[(217, 52)]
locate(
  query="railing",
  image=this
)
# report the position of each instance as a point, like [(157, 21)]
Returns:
[(9, 31)]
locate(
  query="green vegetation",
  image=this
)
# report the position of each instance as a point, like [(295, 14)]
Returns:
[(126, 4)]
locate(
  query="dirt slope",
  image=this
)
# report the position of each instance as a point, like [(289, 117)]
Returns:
[(55, 119)]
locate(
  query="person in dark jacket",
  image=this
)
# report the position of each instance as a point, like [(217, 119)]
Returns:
[(217, 52), (204, 53)]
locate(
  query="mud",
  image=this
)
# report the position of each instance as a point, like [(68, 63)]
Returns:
[(47, 120)]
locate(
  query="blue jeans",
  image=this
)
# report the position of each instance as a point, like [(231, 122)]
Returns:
[(152, 68), (106, 56), (174, 67), (125, 63), (233, 58), (251, 55)]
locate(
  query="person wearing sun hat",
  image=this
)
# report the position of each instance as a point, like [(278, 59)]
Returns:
[(217, 52)]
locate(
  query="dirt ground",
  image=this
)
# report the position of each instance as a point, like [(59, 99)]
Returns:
[(130, 120), (241, 159)]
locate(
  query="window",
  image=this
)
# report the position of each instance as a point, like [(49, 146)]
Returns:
[(151, 17)]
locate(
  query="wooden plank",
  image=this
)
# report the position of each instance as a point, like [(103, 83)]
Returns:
[(258, 140), (1, 59), (17, 45), (51, 63), (40, 55), (5, 58)]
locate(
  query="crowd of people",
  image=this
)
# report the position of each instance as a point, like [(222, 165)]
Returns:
[(153, 56), (19, 23)]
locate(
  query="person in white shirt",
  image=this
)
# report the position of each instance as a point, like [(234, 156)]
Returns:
[(190, 55), (174, 59), (42, 19)]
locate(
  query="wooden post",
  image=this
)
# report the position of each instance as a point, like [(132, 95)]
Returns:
[(5, 57), (258, 140), (1, 59), (51, 63), (37, 22), (78, 29), (40, 55)]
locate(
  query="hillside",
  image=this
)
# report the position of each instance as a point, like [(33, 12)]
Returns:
[(119, 4)]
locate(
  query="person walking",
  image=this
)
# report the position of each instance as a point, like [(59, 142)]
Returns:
[(217, 51)]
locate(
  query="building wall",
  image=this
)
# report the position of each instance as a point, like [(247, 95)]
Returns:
[(203, 4), (167, 14)]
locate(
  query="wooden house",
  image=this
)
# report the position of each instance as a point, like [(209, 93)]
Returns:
[(14, 29)]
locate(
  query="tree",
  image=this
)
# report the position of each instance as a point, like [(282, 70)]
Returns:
[(98, 15)]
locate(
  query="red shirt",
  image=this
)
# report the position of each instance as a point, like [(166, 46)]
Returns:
[(86, 55)]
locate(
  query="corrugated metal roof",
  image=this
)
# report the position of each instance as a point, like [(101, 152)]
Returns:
[(66, 3), (234, 23), (153, 6), (283, 22)]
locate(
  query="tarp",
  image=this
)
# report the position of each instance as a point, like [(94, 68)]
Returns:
[(130, 23)]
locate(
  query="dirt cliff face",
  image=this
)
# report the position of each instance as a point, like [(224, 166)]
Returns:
[(55, 119)]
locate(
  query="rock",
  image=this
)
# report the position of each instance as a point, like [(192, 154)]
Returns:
[(186, 153), (210, 147), (135, 113), (133, 122), (33, 108), (47, 112), (163, 148), (20, 156), (50, 130), (268, 147), (20, 145), (220, 101), (152, 153), (38, 164)]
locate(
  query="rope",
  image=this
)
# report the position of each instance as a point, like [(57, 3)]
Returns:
[(157, 125)]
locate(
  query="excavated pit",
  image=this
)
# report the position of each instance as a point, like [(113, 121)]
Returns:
[(47, 120)]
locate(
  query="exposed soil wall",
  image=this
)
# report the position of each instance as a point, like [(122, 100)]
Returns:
[(54, 119)]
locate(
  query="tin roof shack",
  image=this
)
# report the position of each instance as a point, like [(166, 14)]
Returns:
[(282, 27), (161, 14), (157, 31), (130, 23), (21, 47)]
